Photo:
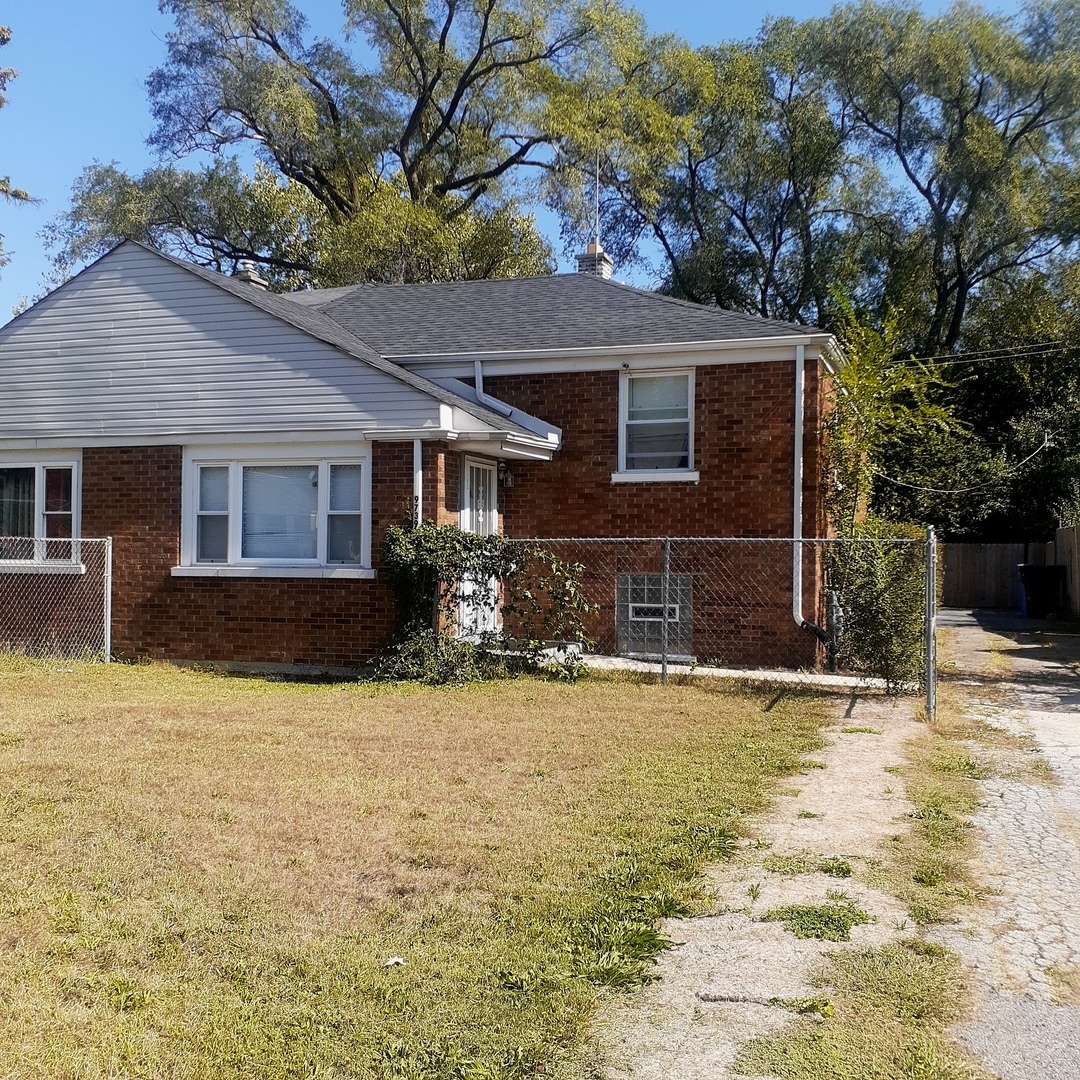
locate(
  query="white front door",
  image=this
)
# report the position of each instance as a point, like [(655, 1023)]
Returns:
[(479, 514)]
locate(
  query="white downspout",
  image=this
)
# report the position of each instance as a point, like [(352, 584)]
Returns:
[(418, 481), (490, 402), (797, 501)]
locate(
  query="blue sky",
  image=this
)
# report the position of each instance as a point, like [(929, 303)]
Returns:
[(79, 96)]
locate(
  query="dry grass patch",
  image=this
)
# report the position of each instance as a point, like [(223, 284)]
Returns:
[(1065, 980), (888, 1012), (205, 877)]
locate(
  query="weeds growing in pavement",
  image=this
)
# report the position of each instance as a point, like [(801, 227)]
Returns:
[(828, 921)]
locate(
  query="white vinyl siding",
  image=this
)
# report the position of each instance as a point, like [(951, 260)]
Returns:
[(135, 345)]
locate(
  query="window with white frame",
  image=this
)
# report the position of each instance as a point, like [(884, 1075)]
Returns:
[(37, 505), (305, 512), (656, 431)]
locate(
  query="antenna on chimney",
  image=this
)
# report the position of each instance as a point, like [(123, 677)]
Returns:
[(598, 248), (596, 260)]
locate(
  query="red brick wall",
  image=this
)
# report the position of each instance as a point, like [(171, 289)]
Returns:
[(442, 468), (133, 494), (743, 449)]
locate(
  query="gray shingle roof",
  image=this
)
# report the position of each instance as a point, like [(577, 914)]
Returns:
[(566, 311)]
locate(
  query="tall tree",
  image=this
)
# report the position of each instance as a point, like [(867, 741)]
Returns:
[(976, 117), (734, 161), (911, 158), (7, 192), (446, 101)]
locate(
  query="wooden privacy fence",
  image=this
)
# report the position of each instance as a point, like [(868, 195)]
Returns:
[(986, 575)]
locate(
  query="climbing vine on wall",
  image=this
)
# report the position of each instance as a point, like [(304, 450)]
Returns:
[(440, 573)]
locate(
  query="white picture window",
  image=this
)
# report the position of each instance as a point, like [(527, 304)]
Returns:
[(38, 504), (308, 512), (656, 431)]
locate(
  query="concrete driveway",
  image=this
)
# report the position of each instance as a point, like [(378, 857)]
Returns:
[(1023, 944)]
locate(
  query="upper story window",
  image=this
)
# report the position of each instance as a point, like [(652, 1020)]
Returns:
[(306, 513), (656, 426), (37, 505)]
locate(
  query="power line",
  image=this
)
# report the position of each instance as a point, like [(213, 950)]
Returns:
[(978, 356), (974, 487)]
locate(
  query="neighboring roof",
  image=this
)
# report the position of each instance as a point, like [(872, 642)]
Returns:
[(564, 311), (320, 326)]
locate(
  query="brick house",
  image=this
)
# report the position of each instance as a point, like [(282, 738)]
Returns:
[(246, 450)]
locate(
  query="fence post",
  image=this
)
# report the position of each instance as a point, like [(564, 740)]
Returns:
[(664, 586), (108, 599), (931, 623)]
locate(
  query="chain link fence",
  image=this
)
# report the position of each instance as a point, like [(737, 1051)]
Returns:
[(838, 613), (55, 597), (842, 613)]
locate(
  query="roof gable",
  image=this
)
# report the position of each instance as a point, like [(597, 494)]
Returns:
[(142, 343), (136, 344)]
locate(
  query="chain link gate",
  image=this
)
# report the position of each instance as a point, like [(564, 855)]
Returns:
[(56, 597), (847, 613)]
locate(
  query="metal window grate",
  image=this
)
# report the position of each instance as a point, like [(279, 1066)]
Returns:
[(639, 616)]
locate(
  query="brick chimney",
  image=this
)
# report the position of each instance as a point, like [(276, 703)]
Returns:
[(595, 261), (245, 271)]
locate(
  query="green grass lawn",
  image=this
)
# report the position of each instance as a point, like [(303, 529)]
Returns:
[(203, 876)]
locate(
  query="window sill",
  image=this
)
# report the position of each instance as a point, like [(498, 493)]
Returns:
[(657, 476), (336, 573), (14, 566)]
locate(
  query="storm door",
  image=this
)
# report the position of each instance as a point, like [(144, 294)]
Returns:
[(478, 610)]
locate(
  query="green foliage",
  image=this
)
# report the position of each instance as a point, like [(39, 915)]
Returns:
[(881, 588), (914, 158), (890, 1010), (893, 415), (442, 658), (219, 214), (616, 942), (806, 863), (7, 192), (435, 570), (385, 153), (975, 114), (875, 572), (1020, 383), (829, 921), (806, 1006)]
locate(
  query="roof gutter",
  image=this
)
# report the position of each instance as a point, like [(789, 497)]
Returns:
[(820, 338)]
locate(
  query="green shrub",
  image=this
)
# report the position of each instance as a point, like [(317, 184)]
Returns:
[(434, 568), (881, 588)]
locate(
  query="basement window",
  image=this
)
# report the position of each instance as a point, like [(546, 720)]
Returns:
[(639, 616)]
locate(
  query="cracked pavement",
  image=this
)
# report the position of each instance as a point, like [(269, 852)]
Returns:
[(1022, 945)]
